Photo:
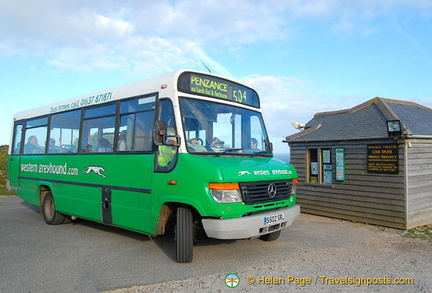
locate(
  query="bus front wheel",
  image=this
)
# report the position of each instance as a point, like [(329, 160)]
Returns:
[(184, 235), (51, 216)]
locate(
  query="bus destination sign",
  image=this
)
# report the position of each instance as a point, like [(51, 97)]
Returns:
[(215, 87)]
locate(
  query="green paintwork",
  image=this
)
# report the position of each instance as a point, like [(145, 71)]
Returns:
[(77, 189)]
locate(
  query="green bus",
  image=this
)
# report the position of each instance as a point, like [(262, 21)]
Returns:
[(186, 151)]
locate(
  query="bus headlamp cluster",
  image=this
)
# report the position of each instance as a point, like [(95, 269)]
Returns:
[(294, 186), (225, 192)]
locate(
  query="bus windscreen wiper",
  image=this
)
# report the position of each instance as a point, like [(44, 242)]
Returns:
[(228, 150)]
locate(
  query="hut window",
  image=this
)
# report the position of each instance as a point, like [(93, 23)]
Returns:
[(313, 165), (319, 168)]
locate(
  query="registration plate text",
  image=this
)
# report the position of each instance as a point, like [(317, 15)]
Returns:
[(274, 219)]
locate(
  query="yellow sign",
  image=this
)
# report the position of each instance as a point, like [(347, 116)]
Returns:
[(383, 158)]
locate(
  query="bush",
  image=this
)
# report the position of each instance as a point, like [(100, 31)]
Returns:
[(3, 160)]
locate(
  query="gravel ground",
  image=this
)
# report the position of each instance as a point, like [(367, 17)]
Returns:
[(337, 264), (316, 254)]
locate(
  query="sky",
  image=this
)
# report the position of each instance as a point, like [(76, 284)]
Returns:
[(302, 56)]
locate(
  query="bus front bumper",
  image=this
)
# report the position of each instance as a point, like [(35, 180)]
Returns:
[(251, 226)]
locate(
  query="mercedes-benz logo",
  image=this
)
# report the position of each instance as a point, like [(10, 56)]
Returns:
[(271, 190)]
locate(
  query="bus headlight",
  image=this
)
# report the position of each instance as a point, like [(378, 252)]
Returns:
[(225, 192), (294, 186)]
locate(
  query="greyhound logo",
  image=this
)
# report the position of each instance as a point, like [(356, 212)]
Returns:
[(96, 169), (240, 173)]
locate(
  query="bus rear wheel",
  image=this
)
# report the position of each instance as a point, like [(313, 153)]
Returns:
[(51, 216), (271, 236), (184, 235)]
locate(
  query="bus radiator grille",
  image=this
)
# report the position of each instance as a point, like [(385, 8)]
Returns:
[(265, 191)]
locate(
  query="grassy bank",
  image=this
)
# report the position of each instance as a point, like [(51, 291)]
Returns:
[(423, 232), (3, 190), (3, 167)]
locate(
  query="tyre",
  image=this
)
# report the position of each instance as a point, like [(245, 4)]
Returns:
[(184, 235), (271, 236), (51, 216)]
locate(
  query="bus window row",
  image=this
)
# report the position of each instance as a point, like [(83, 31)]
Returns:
[(124, 126)]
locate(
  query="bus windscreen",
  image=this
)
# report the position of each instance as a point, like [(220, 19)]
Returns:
[(215, 87)]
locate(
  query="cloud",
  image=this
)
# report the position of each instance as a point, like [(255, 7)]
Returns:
[(144, 37), (110, 26), (113, 35), (285, 99), (354, 16), (137, 57), (134, 37), (82, 22)]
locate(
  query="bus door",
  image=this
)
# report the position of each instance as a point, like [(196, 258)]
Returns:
[(130, 205), (15, 160), (167, 138)]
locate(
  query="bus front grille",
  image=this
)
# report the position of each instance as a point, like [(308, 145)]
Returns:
[(265, 191)]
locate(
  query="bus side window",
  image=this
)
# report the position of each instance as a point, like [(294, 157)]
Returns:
[(136, 124), (136, 132), (35, 136), (98, 135), (64, 132), (17, 139), (35, 145), (98, 129)]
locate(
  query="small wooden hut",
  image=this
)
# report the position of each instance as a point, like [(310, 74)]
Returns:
[(371, 163)]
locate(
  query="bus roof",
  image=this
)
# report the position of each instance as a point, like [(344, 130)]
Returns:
[(165, 82)]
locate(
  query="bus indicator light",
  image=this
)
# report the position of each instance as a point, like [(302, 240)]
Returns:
[(224, 186)]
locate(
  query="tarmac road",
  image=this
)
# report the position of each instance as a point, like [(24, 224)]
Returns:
[(90, 257)]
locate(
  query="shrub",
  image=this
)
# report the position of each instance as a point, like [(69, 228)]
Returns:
[(3, 160)]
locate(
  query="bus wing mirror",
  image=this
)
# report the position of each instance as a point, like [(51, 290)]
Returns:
[(172, 140), (160, 132), (269, 145)]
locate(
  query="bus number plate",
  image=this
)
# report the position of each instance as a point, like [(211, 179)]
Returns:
[(274, 219)]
